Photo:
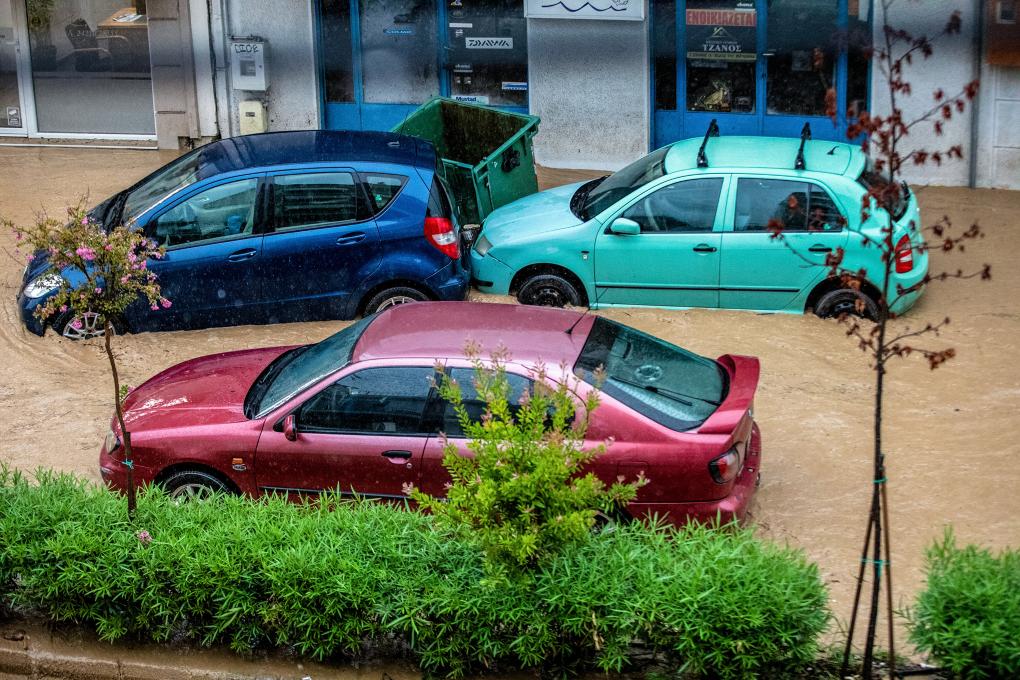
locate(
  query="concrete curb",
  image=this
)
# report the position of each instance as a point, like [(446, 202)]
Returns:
[(30, 651)]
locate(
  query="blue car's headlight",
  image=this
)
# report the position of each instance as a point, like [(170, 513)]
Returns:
[(482, 246), (42, 285)]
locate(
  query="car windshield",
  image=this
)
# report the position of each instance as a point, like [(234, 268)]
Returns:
[(301, 367), (621, 183), (176, 175), (673, 387)]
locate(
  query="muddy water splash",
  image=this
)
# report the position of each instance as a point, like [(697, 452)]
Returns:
[(953, 435)]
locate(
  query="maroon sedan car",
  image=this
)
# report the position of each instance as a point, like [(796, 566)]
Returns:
[(358, 411)]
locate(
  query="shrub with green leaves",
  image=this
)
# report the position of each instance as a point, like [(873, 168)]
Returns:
[(332, 578), (968, 615), (521, 493)]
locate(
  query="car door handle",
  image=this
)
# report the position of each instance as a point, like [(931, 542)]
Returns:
[(819, 248), (704, 248), (242, 255), (348, 239), (397, 454)]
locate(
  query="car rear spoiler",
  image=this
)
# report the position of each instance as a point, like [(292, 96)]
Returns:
[(743, 373)]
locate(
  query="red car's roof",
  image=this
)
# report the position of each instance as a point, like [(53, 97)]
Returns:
[(435, 330)]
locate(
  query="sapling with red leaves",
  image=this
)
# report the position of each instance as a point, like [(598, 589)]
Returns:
[(92, 275), (886, 140)]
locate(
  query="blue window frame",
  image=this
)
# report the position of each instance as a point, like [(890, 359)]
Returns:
[(760, 67), (381, 59)]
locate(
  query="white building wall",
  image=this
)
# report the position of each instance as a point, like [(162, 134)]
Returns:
[(589, 85), (292, 100)]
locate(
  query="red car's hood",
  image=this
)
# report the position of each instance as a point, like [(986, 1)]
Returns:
[(206, 390)]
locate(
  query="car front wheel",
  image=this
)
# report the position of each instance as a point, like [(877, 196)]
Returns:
[(193, 485), (84, 327), (548, 290)]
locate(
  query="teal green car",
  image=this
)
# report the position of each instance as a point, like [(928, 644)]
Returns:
[(691, 225)]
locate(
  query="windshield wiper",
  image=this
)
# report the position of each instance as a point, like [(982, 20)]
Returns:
[(262, 383), (580, 197), (673, 395)]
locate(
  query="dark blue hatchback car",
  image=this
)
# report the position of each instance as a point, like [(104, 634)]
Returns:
[(284, 226)]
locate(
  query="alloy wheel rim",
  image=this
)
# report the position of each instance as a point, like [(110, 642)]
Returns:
[(92, 326), (396, 300), (194, 491)]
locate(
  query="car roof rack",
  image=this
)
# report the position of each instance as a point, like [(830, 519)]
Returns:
[(713, 131), (805, 135)]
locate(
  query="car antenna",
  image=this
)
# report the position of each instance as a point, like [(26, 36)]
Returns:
[(805, 135), (713, 131), (570, 331)]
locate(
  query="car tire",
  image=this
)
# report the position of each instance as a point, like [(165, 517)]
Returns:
[(842, 301), (92, 326), (189, 485), (548, 290), (391, 297)]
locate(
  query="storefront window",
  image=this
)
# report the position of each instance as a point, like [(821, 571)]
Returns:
[(858, 44), (337, 66), (10, 101), (90, 66), (802, 51), (399, 47), (488, 51), (664, 53), (721, 55)]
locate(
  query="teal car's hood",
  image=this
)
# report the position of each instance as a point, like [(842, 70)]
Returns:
[(532, 215)]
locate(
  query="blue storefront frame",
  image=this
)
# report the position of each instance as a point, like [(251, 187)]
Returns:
[(362, 115), (671, 125)]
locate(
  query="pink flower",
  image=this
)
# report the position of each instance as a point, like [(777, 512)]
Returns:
[(63, 308), (154, 307), (166, 303), (108, 247), (84, 221), (144, 537), (125, 279), (29, 258), (99, 291), (131, 256), (86, 253), (76, 324), (407, 488)]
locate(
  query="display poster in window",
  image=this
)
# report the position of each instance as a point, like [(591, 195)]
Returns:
[(612, 10), (722, 34)]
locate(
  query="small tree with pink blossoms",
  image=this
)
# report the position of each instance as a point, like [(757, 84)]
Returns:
[(97, 274)]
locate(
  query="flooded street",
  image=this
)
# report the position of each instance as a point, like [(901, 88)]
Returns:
[(953, 435)]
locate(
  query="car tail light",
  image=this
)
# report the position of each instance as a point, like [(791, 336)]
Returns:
[(725, 467), (439, 232), (904, 256)]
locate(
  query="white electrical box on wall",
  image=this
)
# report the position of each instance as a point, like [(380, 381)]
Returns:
[(253, 117), (248, 65)]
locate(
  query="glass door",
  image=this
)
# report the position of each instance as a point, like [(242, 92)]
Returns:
[(487, 52), (12, 110), (800, 61)]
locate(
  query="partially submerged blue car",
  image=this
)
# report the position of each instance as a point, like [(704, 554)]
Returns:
[(283, 226)]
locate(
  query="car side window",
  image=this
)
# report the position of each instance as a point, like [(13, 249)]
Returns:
[(767, 204), (682, 207), (382, 189), (314, 199), (474, 404), (372, 401), (223, 211)]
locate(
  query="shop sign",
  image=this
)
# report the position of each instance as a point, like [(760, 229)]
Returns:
[(616, 10), (398, 31), (721, 34), (462, 68), (515, 86), (471, 98), (489, 43)]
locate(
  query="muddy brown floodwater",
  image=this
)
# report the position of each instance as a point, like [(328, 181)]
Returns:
[(953, 435)]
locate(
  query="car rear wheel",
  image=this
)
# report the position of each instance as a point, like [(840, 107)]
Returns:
[(391, 297), (846, 301), (548, 290), (89, 325), (193, 485)]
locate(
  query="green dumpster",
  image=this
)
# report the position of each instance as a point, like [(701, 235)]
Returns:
[(485, 154)]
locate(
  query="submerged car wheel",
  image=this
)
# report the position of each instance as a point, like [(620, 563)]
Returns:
[(89, 325), (193, 485), (548, 290), (391, 297), (847, 301)]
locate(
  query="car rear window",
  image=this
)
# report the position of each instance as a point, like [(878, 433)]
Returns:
[(439, 201), (876, 183), (673, 387)]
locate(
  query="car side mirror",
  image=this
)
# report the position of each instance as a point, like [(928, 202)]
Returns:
[(290, 427), (623, 226)]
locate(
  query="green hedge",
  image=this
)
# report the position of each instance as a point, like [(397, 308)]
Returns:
[(968, 615), (331, 582)]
